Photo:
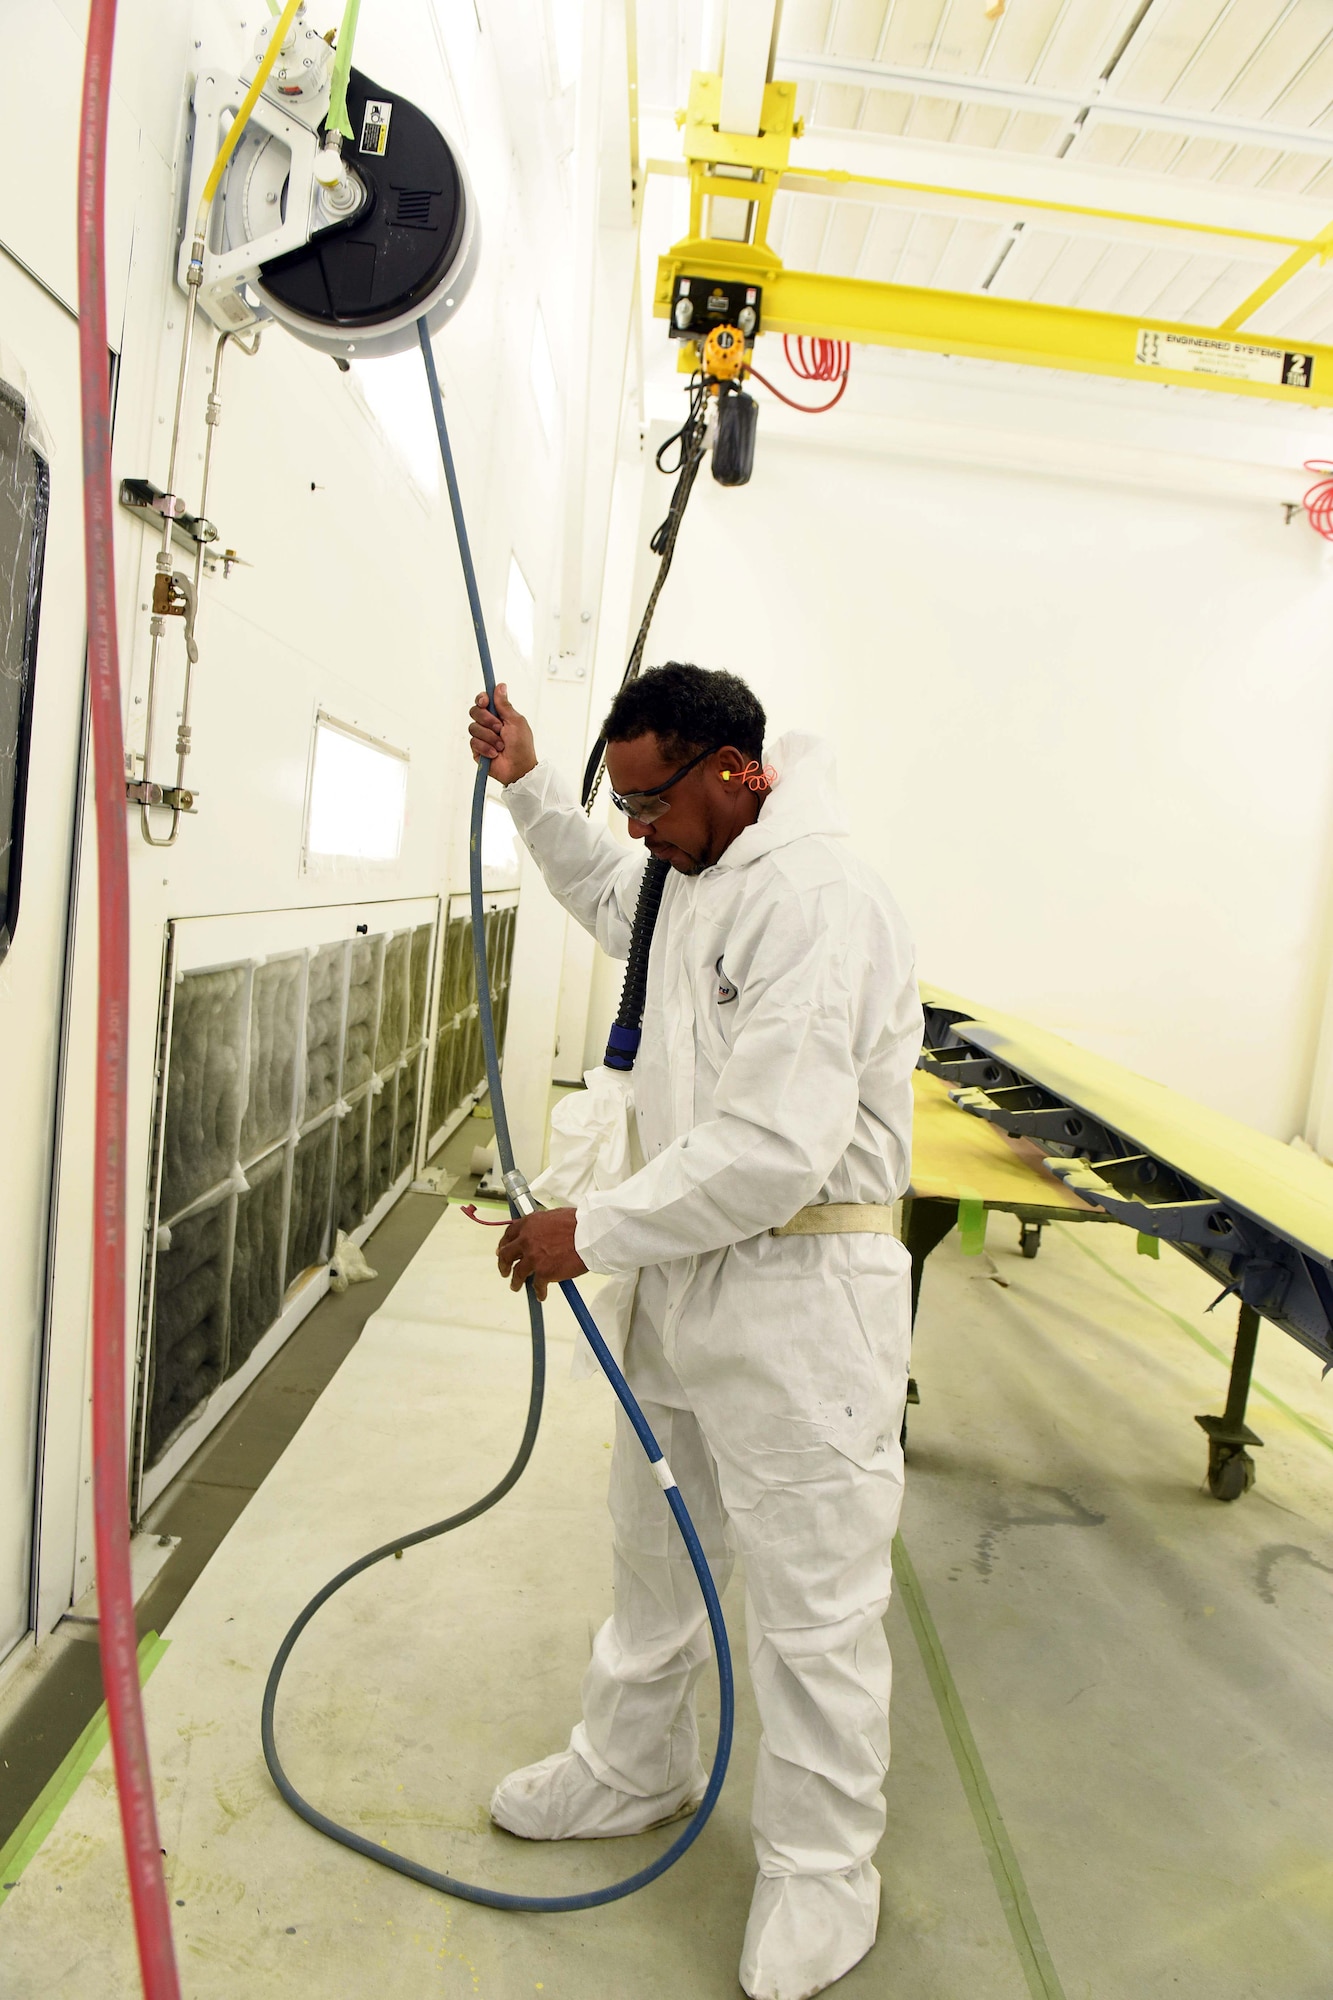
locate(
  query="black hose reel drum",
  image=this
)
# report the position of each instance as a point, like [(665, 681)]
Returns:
[(359, 285)]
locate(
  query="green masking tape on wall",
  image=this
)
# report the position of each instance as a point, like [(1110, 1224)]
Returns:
[(971, 1222), (1148, 1246)]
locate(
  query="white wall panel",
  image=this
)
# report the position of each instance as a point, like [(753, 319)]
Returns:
[(353, 598), (43, 66), (1083, 731)]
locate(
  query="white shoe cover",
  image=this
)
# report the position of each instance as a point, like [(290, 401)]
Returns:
[(560, 1799), (805, 1931)]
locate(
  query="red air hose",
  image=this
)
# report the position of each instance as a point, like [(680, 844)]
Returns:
[(1318, 500), (813, 361), (115, 1595)]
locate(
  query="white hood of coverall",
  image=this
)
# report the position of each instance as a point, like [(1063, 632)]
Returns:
[(804, 800)]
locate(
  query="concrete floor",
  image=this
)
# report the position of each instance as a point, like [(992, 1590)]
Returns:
[(58, 1692), (1112, 1747)]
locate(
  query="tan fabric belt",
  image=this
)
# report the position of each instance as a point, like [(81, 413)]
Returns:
[(840, 1218)]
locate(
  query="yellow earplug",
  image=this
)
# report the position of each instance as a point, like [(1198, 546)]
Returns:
[(726, 774)]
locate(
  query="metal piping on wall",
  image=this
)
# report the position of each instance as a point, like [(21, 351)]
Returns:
[(149, 795), (173, 594)]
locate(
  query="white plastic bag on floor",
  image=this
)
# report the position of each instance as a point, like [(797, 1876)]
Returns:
[(594, 1145), (348, 1265)]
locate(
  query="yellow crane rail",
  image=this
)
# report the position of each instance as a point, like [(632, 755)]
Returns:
[(730, 168)]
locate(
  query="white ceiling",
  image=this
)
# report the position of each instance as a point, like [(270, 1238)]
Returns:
[(1253, 63), (1216, 93)]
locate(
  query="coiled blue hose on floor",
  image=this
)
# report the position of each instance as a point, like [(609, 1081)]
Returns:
[(521, 1203)]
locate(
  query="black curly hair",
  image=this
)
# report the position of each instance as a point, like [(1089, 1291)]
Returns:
[(687, 709)]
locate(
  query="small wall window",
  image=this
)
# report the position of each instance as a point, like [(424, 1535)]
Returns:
[(24, 499), (358, 796)]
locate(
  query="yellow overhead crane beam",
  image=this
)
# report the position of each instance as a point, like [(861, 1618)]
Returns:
[(729, 167)]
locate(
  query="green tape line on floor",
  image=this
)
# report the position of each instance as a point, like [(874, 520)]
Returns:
[(1208, 1346), (971, 1222), (1038, 1966), (65, 1780)]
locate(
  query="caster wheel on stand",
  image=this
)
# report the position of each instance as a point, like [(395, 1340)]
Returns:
[(1029, 1238), (1230, 1467), (1230, 1474)]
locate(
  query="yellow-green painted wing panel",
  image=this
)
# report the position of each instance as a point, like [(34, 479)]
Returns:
[(1292, 1192), (958, 1157)]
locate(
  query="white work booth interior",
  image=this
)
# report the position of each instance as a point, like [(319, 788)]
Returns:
[(341, 602), (1076, 666)]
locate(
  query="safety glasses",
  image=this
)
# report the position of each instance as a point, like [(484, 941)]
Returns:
[(650, 805)]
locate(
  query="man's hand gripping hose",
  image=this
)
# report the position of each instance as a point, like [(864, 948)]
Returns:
[(521, 1203)]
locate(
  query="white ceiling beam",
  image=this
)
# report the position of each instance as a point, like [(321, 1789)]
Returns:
[(1075, 106), (747, 63), (1025, 177), (1196, 242), (1199, 242), (1138, 37), (1034, 177)]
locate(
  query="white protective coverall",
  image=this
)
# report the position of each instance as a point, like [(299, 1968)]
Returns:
[(780, 1033)]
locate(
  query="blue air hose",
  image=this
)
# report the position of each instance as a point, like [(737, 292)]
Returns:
[(521, 1203)]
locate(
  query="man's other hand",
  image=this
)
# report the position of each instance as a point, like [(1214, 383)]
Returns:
[(540, 1247), (503, 736)]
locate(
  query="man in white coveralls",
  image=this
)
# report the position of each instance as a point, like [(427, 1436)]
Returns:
[(769, 1337)]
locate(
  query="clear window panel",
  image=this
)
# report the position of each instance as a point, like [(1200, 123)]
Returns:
[(392, 1037), (405, 1135), (275, 1032), (420, 983), (352, 1138), (363, 999), (312, 1193), (256, 1265), (323, 1028), (458, 966), (201, 1139), (190, 1324), (383, 1118)]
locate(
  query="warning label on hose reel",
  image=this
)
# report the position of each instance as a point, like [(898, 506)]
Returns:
[(375, 127), (1242, 361)]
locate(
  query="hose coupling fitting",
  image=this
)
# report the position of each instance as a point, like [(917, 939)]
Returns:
[(520, 1194), (329, 168)]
